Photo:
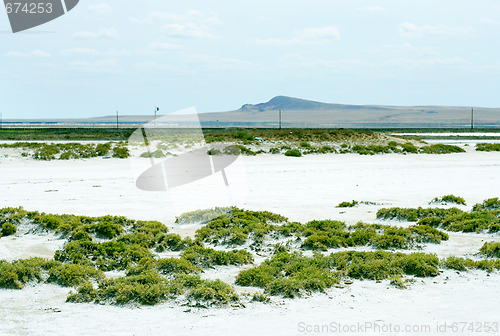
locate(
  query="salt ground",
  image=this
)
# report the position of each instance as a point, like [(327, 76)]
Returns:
[(300, 188)]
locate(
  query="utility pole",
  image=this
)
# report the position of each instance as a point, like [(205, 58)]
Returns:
[(280, 119), (156, 110), (472, 119), (117, 119)]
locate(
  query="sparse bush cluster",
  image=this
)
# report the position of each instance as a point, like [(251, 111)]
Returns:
[(17, 274), (292, 274), (348, 204), (236, 228), (488, 147), (441, 149), (325, 234), (67, 151), (484, 216), (491, 249), (449, 199)]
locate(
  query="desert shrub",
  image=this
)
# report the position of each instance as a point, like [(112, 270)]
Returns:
[(491, 249), (73, 274), (213, 292), (347, 204), (175, 266), (208, 257), (46, 153), (408, 147), (304, 144), (431, 221), (487, 147), (489, 204), (293, 152), (441, 149), (245, 151), (473, 222), (16, 274), (274, 150), (462, 264), (214, 151), (427, 234), (238, 227), (121, 152), (449, 199), (203, 216), (289, 274), (105, 256), (156, 154), (147, 288), (85, 293), (103, 149), (414, 215), (69, 155), (260, 297), (8, 229)]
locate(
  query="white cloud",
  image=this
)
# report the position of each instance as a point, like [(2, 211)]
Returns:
[(94, 52), (164, 46), (100, 8), (105, 66), (189, 29), (157, 66), (410, 29), (372, 9), (296, 60), (108, 33), (490, 21), (191, 24), (415, 63), (313, 35), (35, 53)]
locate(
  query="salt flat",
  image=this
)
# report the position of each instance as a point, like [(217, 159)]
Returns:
[(302, 189)]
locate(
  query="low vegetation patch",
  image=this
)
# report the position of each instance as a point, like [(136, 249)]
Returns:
[(491, 249), (484, 217), (488, 147), (293, 274), (68, 150), (449, 199)]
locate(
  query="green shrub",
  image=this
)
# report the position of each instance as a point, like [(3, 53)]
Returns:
[(121, 152), (491, 249), (348, 204), (449, 199), (489, 204), (293, 152), (305, 144), (208, 257), (175, 266), (487, 147), (408, 147), (73, 275), (156, 154), (441, 149), (8, 229)]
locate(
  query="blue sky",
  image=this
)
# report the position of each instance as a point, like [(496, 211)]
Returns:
[(216, 55)]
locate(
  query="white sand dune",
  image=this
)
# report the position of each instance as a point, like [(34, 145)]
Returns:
[(300, 188)]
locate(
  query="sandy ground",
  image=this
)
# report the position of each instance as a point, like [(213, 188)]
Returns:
[(301, 188)]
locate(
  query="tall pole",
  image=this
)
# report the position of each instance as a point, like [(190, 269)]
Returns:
[(156, 109), (472, 119), (116, 119), (280, 119)]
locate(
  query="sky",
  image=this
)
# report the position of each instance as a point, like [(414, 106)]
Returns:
[(217, 55)]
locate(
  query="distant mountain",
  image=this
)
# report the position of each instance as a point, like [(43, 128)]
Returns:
[(295, 104), (306, 113)]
